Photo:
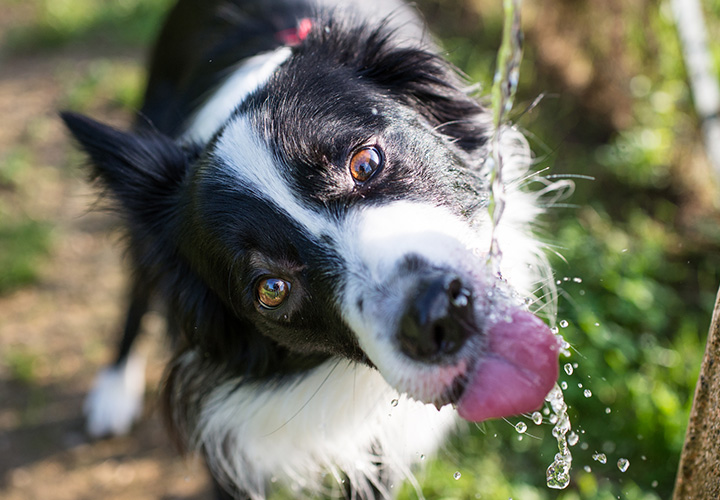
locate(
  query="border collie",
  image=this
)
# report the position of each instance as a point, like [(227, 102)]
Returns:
[(306, 192)]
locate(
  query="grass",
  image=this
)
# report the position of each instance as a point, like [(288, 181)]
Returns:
[(24, 247), (59, 23)]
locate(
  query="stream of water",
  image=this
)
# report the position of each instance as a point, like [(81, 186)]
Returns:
[(503, 93)]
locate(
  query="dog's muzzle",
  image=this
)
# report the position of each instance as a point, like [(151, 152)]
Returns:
[(510, 355)]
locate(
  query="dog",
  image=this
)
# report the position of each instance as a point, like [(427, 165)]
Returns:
[(306, 192)]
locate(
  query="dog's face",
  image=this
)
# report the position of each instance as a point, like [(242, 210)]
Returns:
[(341, 211)]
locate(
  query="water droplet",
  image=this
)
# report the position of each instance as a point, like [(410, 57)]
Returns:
[(600, 457), (537, 418), (558, 474), (521, 427), (563, 385), (573, 439), (374, 111), (623, 464), (580, 385), (587, 468), (563, 323), (546, 411), (553, 419), (422, 457), (577, 280), (568, 368), (654, 484), (457, 475), (394, 403), (587, 393), (597, 324), (608, 410), (555, 330)]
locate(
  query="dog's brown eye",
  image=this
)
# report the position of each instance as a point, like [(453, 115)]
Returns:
[(271, 292), (364, 163)]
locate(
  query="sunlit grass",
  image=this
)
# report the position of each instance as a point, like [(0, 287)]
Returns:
[(114, 23)]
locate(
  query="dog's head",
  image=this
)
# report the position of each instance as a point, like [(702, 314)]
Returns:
[(341, 211)]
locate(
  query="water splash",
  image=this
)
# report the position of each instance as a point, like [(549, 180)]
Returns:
[(558, 473), (623, 464), (502, 95), (503, 92)]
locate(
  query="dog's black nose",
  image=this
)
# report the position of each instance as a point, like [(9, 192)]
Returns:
[(437, 319)]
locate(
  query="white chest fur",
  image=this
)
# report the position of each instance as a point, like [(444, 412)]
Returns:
[(339, 417)]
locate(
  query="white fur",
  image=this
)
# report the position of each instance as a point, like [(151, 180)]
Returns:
[(333, 418), (115, 401), (240, 148), (248, 76)]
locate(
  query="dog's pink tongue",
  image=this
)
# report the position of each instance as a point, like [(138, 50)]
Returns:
[(518, 372)]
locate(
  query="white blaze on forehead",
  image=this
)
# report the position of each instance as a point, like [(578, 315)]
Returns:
[(257, 170), (248, 76)]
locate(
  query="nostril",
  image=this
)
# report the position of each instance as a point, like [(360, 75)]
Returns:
[(438, 336), (454, 288), (459, 296)]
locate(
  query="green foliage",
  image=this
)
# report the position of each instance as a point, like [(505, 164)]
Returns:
[(104, 81), (23, 245), (60, 22)]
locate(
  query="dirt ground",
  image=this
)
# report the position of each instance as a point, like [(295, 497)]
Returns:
[(56, 334)]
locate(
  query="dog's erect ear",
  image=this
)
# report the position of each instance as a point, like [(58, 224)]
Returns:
[(140, 170)]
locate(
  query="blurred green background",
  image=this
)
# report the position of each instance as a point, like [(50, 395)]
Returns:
[(637, 247)]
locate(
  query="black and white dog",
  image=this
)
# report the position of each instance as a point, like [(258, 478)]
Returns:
[(306, 191)]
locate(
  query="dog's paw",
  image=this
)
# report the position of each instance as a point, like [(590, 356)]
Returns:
[(115, 401)]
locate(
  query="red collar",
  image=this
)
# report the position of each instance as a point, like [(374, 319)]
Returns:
[(293, 36)]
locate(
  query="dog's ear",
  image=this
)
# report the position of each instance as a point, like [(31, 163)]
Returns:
[(429, 84), (140, 170)]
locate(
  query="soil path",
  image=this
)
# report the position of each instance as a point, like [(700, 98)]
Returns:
[(56, 334)]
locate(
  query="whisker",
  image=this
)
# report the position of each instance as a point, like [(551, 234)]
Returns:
[(327, 377)]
